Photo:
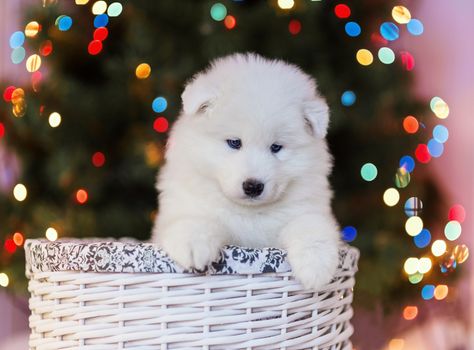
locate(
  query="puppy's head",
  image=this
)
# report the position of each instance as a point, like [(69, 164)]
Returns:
[(254, 127)]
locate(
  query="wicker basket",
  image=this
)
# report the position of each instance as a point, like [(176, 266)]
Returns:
[(128, 295)]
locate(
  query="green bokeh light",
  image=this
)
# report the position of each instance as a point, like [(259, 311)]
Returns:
[(368, 172), (218, 11)]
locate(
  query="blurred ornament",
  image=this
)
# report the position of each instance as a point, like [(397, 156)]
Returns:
[(32, 29), (422, 239), (457, 212), (460, 253), (391, 197), (408, 61), (402, 178), (230, 22), (160, 124), (349, 233), (386, 55), (438, 247), (389, 31), (99, 7), (348, 98), (401, 14), (413, 225), (33, 63), (64, 23), (342, 11), (364, 57), (410, 124), (294, 27), (368, 171), (143, 71), (415, 27), (115, 9), (422, 153), (452, 230), (440, 133), (413, 206), (219, 11), (352, 29)]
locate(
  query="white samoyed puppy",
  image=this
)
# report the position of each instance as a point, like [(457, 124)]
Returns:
[(247, 164)]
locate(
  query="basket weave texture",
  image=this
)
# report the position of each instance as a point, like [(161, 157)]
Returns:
[(99, 295)]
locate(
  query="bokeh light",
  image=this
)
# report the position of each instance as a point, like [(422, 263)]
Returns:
[(408, 163), (452, 230), (368, 171), (389, 31), (415, 278), (411, 266), (413, 225), (64, 23), (423, 239), (349, 233), (402, 178), (46, 48), (415, 27), (386, 55), (10, 246), (2, 130), (410, 124), (98, 159), (424, 265), (427, 292), (364, 57), (114, 9), (435, 148), (8, 92), (448, 265), (438, 247), (401, 14), (457, 212), (143, 71), (17, 39), (18, 239), (230, 22), (396, 344), (413, 206), (441, 292), (32, 29), (94, 47), (54, 119), (439, 107), (440, 133), (81, 196), (391, 197), (18, 55), (352, 29), (20, 192), (101, 20), (17, 96), (342, 11), (461, 253), (33, 63), (99, 7), (161, 125), (101, 33), (422, 153), (219, 11), (348, 98), (294, 27), (159, 104), (4, 280), (51, 234), (408, 61), (410, 313)]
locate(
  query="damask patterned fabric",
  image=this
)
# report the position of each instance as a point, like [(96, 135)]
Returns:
[(131, 256)]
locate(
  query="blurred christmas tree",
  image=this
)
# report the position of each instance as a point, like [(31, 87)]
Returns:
[(93, 175)]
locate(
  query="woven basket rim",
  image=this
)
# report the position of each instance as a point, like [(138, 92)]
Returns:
[(131, 256)]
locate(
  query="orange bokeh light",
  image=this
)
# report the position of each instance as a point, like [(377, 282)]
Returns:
[(81, 196), (441, 292), (410, 312), (18, 238), (410, 124)]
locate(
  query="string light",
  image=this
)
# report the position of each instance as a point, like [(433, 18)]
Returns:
[(391, 197), (438, 247), (161, 124), (51, 234), (4, 280), (441, 292), (54, 119), (410, 313), (143, 71), (81, 196), (20, 192), (18, 239)]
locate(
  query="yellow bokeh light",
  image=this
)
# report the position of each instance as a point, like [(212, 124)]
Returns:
[(4, 280), (51, 234), (411, 265), (396, 344), (33, 63), (286, 4), (32, 29), (20, 192), (99, 7), (364, 57), (414, 225), (391, 197), (438, 247), (401, 14), (143, 71), (81, 2), (441, 109), (54, 119), (424, 265), (441, 292)]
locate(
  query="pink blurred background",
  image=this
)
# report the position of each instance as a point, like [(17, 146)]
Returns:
[(444, 68)]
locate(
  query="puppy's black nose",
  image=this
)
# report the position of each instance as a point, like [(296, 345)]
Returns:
[(252, 188)]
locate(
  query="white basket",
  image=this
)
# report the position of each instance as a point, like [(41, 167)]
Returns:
[(127, 295)]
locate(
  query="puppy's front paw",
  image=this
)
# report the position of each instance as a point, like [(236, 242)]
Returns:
[(194, 246), (313, 267)]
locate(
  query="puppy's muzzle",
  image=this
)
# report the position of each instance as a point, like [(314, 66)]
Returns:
[(253, 188)]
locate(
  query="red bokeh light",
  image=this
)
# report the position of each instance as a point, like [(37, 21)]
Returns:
[(95, 47), (342, 11), (408, 61), (81, 196), (46, 48), (101, 33), (161, 124), (230, 22), (7, 94), (457, 212), (10, 246), (2, 130), (294, 27), (98, 159), (422, 154)]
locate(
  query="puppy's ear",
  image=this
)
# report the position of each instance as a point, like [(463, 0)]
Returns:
[(196, 99), (316, 115)]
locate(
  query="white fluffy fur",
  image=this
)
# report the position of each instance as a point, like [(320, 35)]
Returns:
[(202, 204)]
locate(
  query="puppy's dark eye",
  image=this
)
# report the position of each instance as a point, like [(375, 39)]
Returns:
[(235, 143), (275, 148)]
